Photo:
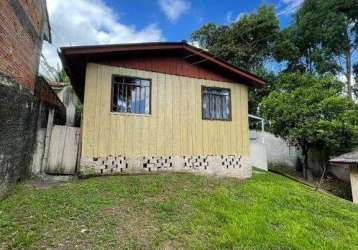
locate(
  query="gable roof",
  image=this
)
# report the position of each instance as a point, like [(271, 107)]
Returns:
[(74, 60), (348, 158)]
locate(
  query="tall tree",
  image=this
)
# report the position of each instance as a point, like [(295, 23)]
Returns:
[(355, 74), (246, 43), (309, 111), (322, 38), (256, 95)]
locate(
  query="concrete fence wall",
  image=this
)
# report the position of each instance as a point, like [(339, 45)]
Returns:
[(258, 155), (39, 152), (18, 125), (277, 150)]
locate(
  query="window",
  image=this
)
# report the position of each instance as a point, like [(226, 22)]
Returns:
[(130, 95), (216, 103)]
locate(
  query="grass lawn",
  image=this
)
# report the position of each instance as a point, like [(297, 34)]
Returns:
[(177, 211)]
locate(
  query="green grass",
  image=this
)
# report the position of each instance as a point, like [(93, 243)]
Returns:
[(177, 211)]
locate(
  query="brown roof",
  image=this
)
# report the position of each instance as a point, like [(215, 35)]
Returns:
[(74, 60), (58, 84), (349, 158), (47, 95)]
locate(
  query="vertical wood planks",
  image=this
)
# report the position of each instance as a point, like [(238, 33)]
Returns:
[(175, 125), (176, 140)]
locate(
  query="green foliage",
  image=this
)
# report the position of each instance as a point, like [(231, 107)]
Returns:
[(256, 95), (309, 110), (79, 108), (61, 76), (322, 38), (176, 211), (246, 43)]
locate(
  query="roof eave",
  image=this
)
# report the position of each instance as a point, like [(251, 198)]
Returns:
[(257, 81), (343, 161), (69, 73), (97, 50)]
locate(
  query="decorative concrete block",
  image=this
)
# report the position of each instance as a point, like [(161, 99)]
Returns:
[(219, 165)]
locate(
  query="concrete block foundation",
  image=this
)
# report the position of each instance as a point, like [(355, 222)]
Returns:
[(219, 165)]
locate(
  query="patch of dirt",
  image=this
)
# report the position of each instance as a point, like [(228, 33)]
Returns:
[(287, 170), (44, 184), (169, 245), (49, 181), (337, 187), (136, 226), (330, 183)]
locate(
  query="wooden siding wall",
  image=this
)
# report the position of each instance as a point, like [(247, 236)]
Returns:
[(175, 126), (172, 65)]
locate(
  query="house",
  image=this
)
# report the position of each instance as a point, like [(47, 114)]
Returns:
[(160, 106), (349, 161), (25, 99)]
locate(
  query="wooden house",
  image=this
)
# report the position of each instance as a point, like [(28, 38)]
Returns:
[(160, 106)]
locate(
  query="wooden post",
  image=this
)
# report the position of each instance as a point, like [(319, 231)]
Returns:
[(51, 113), (321, 179), (79, 152), (353, 172)]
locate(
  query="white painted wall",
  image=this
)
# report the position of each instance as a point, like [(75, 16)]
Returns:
[(39, 152), (278, 151), (341, 171), (70, 100), (354, 182), (258, 155)]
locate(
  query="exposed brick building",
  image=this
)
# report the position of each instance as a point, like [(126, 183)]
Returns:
[(24, 97), (24, 25)]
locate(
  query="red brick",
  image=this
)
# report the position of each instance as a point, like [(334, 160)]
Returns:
[(19, 53)]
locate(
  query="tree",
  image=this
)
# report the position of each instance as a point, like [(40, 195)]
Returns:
[(61, 76), (246, 43), (322, 38), (355, 74), (256, 95), (309, 111)]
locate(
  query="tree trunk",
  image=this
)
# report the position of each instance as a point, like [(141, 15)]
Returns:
[(307, 172), (349, 73), (305, 162)]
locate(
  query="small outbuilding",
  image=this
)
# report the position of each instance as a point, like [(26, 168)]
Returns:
[(160, 106), (349, 160)]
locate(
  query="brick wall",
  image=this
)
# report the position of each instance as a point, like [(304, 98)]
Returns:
[(23, 25), (21, 29)]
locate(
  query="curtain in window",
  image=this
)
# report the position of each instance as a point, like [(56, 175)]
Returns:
[(216, 103), (131, 95)]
